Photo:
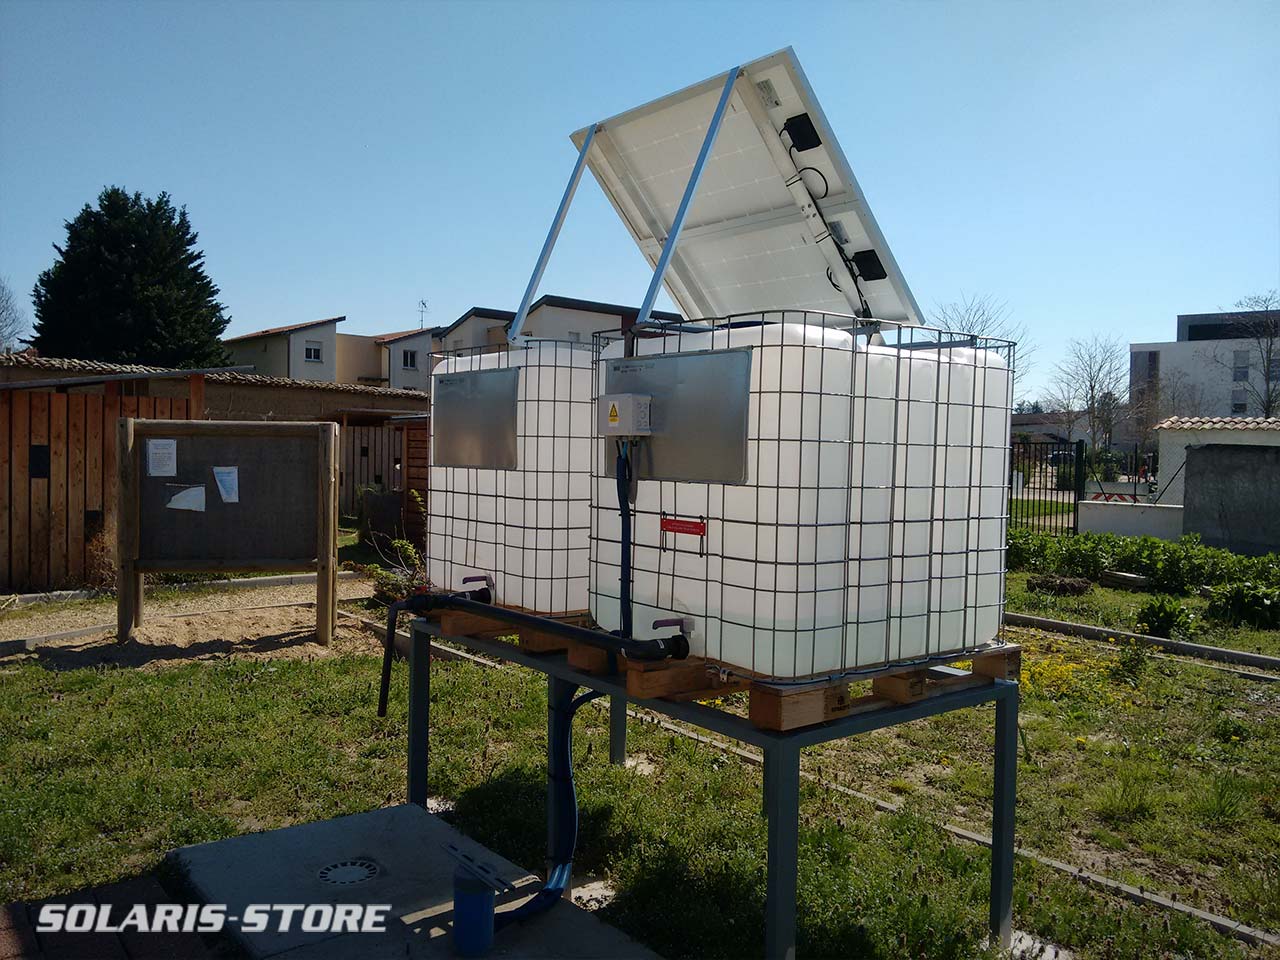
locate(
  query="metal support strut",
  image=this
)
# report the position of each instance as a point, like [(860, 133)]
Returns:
[(690, 190), (553, 234)]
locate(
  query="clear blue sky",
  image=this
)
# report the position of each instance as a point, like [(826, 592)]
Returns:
[(1099, 166)]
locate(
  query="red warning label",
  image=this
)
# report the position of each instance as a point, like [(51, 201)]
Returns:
[(676, 525)]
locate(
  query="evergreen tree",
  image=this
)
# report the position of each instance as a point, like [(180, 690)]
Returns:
[(129, 287)]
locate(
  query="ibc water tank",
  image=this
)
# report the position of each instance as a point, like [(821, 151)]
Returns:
[(870, 528), (524, 522)]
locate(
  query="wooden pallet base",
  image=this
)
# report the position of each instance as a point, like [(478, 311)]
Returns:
[(773, 706), (457, 623), (792, 707)]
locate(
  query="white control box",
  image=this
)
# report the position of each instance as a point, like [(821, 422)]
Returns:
[(624, 415)]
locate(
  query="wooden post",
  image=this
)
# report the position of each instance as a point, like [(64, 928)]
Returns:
[(128, 579), (195, 396), (327, 536)]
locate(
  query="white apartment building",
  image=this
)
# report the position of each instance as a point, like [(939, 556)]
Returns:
[(1216, 368)]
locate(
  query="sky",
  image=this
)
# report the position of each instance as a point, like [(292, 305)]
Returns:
[(1098, 167)]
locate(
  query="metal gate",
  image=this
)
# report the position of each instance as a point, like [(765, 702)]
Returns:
[(1046, 480)]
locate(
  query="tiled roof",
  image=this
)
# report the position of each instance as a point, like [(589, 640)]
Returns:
[(28, 361), (385, 338), (1219, 423), (272, 331), (91, 367)]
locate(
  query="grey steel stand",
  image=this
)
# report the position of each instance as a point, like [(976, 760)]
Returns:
[(781, 763)]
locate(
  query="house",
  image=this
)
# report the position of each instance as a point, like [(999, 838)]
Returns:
[(223, 395), (550, 317), (1220, 365), (300, 351), (405, 359)]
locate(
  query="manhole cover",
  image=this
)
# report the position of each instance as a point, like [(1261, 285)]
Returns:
[(346, 872)]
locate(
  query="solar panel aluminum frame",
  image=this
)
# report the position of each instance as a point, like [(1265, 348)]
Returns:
[(690, 286)]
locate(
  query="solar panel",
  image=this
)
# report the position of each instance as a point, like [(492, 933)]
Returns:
[(778, 221)]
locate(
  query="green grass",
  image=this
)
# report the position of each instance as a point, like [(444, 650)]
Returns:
[(1149, 770), (1028, 506), (102, 771), (1118, 610)]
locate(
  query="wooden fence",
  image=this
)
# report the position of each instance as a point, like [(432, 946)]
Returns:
[(58, 482), (417, 459), (367, 457)]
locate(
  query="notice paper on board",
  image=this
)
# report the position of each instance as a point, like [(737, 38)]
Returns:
[(162, 458), (183, 496), (228, 480)]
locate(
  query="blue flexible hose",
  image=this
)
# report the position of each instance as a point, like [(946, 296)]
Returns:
[(561, 870)]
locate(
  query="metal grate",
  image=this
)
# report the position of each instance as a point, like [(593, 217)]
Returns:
[(346, 873)]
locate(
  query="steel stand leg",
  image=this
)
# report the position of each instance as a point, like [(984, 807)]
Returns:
[(559, 697), (419, 714), (1002, 817), (618, 730), (782, 808)]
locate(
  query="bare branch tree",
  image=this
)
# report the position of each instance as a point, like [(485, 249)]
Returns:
[(1093, 379), (13, 319), (986, 316), (1063, 408), (1252, 353), (1175, 394)]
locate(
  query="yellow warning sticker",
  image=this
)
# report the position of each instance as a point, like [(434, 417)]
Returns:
[(613, 413)]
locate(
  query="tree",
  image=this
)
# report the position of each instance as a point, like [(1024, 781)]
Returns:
[(986, 316), (13, 319), (1254, 326), (1092, 379), (129, 286)]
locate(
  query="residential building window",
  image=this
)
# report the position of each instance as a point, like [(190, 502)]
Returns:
[(1239, 401), (314, 353), (457, 346), (409, 359), (1240, 365), (1274, 368)]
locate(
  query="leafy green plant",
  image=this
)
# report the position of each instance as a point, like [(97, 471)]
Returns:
[(1164, 616), (1255, 604), (1130, 663), (404, 573), (1176, 567)]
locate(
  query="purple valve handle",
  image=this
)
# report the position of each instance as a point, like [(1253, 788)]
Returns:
[(672, 622)]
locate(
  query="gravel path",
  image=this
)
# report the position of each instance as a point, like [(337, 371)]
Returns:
[(42, 619)]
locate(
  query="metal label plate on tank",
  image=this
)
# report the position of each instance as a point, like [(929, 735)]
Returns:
[(473, 419), (698, 414)]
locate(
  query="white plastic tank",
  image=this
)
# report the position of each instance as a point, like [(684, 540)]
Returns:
[(526, 527), (870, 529)]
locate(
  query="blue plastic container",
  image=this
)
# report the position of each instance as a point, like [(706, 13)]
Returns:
[(473, 903)]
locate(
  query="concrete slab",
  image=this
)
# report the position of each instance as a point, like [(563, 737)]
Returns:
[(393, 856)]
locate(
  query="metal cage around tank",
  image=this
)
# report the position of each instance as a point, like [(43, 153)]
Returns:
[(509, 491), (868, 526)]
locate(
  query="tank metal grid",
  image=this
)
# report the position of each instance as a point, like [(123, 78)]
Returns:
[(870, 531), (528, 527), (871, 528)]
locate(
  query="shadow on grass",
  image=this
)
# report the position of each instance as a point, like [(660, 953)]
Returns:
[(508, 814), (135, 654)]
